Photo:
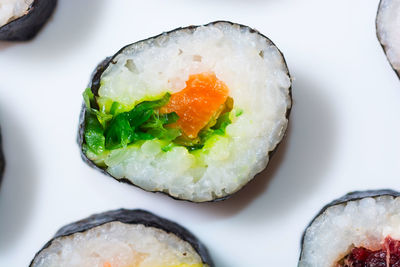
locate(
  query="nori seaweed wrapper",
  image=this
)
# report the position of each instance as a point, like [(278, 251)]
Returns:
[(26, 27), (378, 35), (352, 196), (2, 161), (132, 217), (94, 85)]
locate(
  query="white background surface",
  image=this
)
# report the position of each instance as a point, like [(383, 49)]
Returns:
[(344, 132)]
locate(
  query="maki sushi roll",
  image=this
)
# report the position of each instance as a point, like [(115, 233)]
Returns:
[(388, 31), (122, 238), (359, 229), (2, 162), (21, 20), (195, 112)]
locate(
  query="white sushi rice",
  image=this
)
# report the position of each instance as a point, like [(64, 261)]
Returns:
[(388, 26), (362, 223), (120, 245), (256, 75), (13, 9)]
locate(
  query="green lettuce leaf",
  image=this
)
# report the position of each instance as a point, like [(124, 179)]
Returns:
[(143, 122), (222, 122), (119, 133), (94, 134), (155, 126), (88, 97)]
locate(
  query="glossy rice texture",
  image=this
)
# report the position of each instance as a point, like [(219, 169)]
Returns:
[(13, 9), (388, 30)]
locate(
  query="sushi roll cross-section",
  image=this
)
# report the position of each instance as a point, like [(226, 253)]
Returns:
[(123, 238), (388, 31), (195, 112), (360, 229), (21, 20)]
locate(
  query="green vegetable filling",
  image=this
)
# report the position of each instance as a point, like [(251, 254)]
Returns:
[(113, 130)]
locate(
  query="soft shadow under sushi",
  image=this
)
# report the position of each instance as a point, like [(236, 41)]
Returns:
[(19, 185)]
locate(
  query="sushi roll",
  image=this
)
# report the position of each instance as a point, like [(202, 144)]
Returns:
[(21, 20), (388, 31), (2, 162), (359, 229), (195, 112), (120, 238)]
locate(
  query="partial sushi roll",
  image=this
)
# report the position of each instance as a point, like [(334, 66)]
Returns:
[(359, 229), (2, 161), (21, 20), (195, 112), (388, 31), (122, 238)]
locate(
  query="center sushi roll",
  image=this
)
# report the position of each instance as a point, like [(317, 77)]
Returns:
[(360, 229), (123, 238), (195, 112)]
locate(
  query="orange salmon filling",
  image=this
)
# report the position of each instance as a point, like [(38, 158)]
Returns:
[(197, 103)]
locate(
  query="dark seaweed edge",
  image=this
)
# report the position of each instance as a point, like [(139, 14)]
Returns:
[(2, 160), (26, 27), (94, 84), (352, 196), (132, 217), (378, 35)]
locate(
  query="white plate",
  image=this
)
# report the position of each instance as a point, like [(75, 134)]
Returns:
[(344, 133)]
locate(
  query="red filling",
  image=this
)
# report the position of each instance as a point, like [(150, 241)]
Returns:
[(388, 256)]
